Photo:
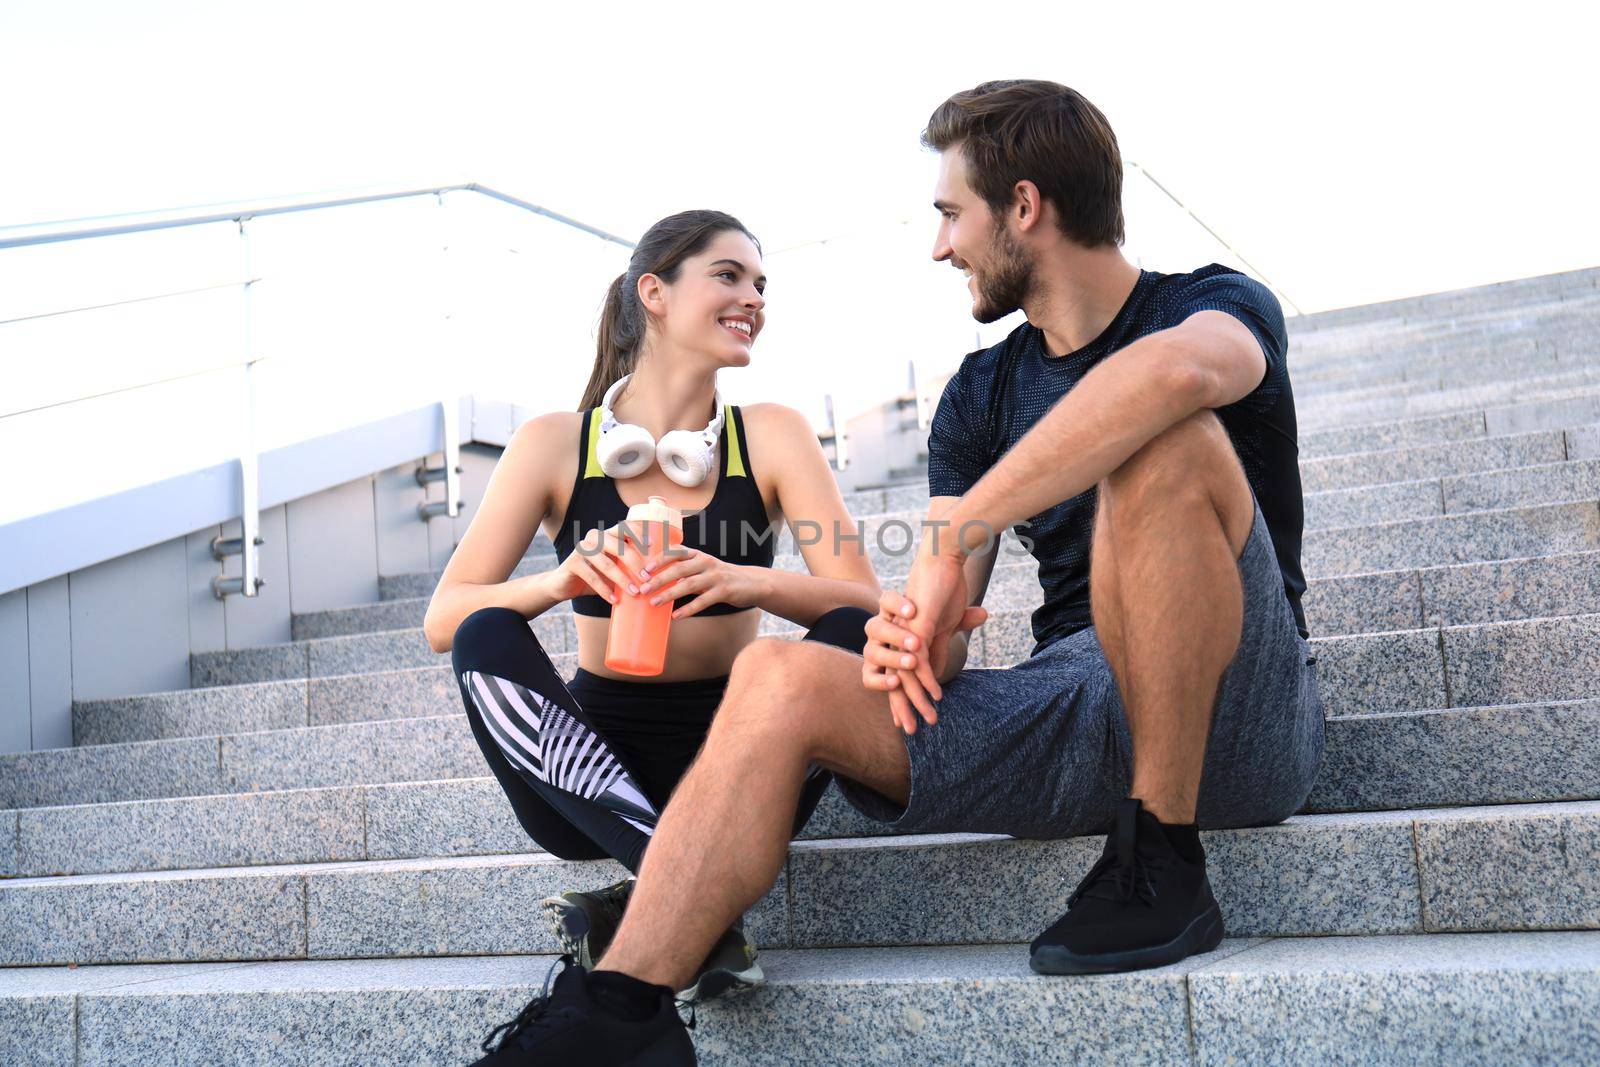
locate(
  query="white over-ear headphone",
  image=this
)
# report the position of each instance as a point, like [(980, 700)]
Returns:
[(625, 449)]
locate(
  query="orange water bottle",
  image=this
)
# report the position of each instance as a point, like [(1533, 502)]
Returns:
[(637, 643)]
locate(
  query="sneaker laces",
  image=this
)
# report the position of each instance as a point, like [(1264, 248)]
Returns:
[(536, 1016), (1122, 873), (614, 898)]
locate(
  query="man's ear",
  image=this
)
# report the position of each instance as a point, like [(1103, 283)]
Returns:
[(1027, 205), (652, 294)]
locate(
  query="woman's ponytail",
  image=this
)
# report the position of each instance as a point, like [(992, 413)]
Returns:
[(617, 342)]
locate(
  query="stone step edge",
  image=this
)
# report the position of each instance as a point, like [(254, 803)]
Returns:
[(1432, 628), (1319, 532), (213, 810), (1481, 472), (878, 845), (1477, 414), (889, 581), (1223, 1006), (1575, 702)]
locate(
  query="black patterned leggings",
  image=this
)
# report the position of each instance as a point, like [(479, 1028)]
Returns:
[(589, 764)]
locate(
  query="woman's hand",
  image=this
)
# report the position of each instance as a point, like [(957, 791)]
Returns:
[(600, 563), (890, 664), (688, 570)]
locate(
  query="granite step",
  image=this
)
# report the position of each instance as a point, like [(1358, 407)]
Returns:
[(1553, 322), (1523, 344), (1400, 1000), (1470, 665), (1493, 421), (1330, 413), (1478, 536), (1402, 599), (1452, 757), (1504, 420), (1511, 361), (1499, 496), (1348, 547), (1434, 461), (1494, 591), (1443, 312), (1361, 350), (1548, 354), (1420, 498), (1473, 665), (1446, 307), (1518, 867), (1473, 537), (1362, 472), (1576, 480), (1476, 592)]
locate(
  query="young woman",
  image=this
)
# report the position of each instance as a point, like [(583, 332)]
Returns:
[(589, 763)]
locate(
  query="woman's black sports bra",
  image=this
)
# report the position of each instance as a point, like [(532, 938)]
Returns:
[(733, 527)]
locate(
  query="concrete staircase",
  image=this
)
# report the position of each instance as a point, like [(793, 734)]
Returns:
[(302, 861)]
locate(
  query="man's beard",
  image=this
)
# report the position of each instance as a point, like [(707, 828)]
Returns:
[(1005, 281)]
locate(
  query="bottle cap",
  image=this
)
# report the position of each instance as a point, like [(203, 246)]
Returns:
[(656, 509)]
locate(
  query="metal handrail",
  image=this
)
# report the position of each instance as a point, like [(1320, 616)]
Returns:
[(1202, 222), (247, 583), (130, 300), (69, 230)]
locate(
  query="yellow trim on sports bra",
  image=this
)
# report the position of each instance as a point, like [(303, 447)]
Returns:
[(591, 469), (735, 457)]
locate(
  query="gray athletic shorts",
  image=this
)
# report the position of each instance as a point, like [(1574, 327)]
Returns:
[(1042, 749)]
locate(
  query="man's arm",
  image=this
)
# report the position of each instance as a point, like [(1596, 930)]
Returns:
[(1209, 360)]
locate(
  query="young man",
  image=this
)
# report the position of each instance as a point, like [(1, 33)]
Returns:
[(1139, 430)]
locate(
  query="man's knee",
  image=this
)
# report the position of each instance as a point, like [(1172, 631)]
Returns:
[(1172, 458), (772, 692), (1192, 461)]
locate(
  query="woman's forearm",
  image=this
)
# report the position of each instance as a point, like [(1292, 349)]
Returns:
[(530, 595), (804, 598)]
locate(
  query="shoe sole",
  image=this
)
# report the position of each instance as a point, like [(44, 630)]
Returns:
[(1201, 935), (570, 924), (722, 983), (660, 1055)]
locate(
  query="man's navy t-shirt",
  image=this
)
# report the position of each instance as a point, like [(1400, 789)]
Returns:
[(999, 393)]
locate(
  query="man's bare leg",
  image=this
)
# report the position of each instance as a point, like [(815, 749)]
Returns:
[(722, 840), (1166, 600)]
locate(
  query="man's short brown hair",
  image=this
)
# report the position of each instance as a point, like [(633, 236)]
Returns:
[(1038, 131)]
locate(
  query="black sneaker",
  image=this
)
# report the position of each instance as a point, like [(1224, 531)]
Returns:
[(564, 1026), (584, 924), (729, 968), (1141, 905)]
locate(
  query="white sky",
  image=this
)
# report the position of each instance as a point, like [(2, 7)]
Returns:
[(1352, 152)]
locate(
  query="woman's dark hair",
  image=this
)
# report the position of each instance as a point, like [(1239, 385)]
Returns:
[(661, 251), (1043, 132)]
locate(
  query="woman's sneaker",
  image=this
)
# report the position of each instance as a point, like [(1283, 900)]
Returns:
[(584, 924), (729, 969)]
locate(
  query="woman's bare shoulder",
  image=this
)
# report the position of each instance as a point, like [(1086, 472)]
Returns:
[(776, 419)]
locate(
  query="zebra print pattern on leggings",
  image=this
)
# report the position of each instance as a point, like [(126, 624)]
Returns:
[(544, 740)]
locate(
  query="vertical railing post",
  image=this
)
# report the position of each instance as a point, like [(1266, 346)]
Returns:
[(442, 361), (249, 580), (249, 458)]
